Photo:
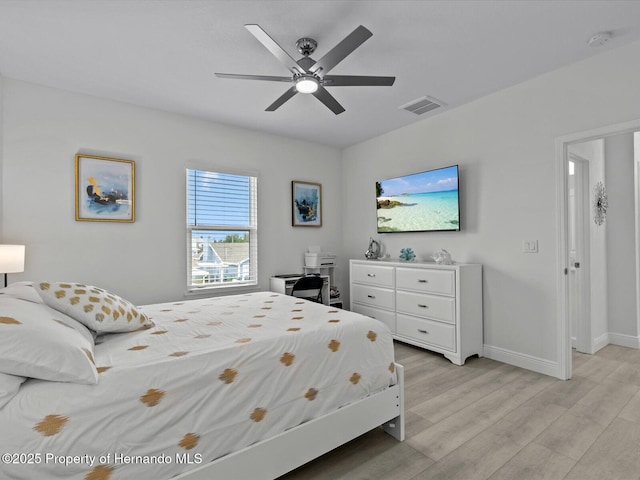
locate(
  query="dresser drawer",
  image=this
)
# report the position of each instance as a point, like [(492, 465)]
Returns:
[(434, 333), (373, 296), (380, 275), (386, 317), (423, 305), (441, 282)]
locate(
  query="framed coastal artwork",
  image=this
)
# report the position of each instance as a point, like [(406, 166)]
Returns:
[(104, 189), (306, 203)]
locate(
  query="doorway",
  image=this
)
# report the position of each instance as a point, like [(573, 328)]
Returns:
[(582, 248)]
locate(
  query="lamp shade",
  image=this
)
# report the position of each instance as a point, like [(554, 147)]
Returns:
[(11, 258)]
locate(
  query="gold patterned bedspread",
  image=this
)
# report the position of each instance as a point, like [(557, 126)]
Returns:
[(211, 377)]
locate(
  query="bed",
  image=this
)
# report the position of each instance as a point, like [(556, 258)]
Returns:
[(241, 386)]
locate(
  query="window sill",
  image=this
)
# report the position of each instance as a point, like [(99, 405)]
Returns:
[(220, 290)]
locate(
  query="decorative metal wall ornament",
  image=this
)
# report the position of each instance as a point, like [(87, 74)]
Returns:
[(600, 203)]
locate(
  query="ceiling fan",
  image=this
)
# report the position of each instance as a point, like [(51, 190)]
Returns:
[(310, 76)]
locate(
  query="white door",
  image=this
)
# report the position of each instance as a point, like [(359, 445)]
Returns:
[(578, 244)]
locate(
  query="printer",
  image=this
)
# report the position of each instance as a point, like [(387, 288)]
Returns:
[(316, 258)]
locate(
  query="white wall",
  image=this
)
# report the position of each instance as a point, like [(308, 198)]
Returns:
[(1, 153), (621, 234), (145, 261), (504, 144), (597, 241)]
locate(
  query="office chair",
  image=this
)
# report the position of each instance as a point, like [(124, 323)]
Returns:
[(309, 288)]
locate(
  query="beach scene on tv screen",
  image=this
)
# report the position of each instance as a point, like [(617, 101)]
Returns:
[(419, 202)]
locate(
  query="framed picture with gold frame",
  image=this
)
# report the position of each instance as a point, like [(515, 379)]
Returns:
[(105, 189), (306, 204)]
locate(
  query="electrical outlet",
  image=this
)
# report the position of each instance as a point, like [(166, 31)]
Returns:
[(530, 246)]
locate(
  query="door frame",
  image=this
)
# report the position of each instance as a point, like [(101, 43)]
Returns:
[(562, 171)]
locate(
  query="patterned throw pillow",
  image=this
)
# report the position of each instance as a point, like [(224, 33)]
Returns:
[(94, 307), (39, 342)]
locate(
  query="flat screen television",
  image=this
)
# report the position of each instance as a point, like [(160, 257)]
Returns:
[(421, 202)]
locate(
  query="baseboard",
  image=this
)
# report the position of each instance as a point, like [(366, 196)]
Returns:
[(624, 340), (540, 365), (601, 342), (548, 367)]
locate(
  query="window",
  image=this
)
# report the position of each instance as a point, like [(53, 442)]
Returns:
[(221, 229)]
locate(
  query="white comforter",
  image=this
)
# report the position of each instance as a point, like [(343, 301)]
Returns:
[(212, 376)]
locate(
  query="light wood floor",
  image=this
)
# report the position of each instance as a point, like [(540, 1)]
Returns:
[(488, 420)]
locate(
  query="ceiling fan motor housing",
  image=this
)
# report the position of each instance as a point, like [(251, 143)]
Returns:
[(306, 46)]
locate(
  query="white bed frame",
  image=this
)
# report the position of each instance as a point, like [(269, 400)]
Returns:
[(287, 451)]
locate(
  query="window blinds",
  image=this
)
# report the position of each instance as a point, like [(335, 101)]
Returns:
[(222, 206)]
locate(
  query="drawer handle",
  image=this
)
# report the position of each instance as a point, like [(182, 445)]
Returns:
[(371, 274), (423, 331), (371, 296), (423, 281), (423, 306)]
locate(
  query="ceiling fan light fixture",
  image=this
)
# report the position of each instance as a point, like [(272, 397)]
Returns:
[(307, 84), (309, 75)]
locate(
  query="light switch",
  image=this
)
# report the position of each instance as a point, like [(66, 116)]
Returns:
[(530, 246)]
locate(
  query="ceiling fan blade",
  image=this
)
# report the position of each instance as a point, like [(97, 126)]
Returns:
[(271, 45), (356, 81), (283, 98), (253, 77), (341, 50), (325, 97)]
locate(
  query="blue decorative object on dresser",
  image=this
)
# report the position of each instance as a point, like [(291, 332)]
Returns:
[(407, 255)]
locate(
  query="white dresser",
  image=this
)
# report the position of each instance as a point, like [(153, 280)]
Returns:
[(437, 307)]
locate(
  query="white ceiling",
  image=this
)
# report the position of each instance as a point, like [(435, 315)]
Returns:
[(163, 53)]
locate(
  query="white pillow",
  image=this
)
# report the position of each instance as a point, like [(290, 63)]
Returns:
[(9, 385), (94, 307), (39, 342), (22, 290)]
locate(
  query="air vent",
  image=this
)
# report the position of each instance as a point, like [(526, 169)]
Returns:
[(422, 105)]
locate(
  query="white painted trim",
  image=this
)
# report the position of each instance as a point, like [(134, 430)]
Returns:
[(563, 341), (599, 342), (608, 131), (624, 340), (636, 208), (564, 337), (215, 166), (522, 360)]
